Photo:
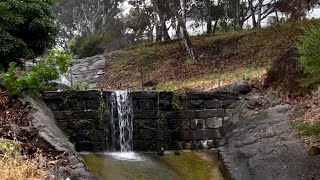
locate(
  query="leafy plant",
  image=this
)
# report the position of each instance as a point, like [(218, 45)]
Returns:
[(81, 85), (310, 56), (37, 79), (27, 29)]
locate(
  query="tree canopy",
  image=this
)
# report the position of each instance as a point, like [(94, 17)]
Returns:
[(27, 29)]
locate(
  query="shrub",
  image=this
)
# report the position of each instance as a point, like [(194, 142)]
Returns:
[(38, 78), (310, 56), (27, 29), (81, 85), (94, 44)]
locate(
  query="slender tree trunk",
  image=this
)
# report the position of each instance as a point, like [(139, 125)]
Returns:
[(259, 13), (157, 23), (209, 17), (277, 17), (215, 26), (253, 14), (238, 15), (184, 36), (183, 30), (164, 29)]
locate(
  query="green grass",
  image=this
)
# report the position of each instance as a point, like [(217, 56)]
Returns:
[(310, 129)]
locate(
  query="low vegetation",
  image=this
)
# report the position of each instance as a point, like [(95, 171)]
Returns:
[(224, 57), (310, 55), (15, 166), (38, 78), (308, 128)]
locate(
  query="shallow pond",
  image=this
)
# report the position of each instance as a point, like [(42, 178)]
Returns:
[(148, 166)]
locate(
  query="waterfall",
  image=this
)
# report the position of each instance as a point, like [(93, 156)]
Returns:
[(121, 121)]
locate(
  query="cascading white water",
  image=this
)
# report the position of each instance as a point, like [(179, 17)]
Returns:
[(123, 102)]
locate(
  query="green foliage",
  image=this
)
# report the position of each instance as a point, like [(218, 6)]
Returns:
[(81, 85), (94, 44), (88, 46), (27, 29), (10, 148), (37, 79), (310, 55), (311, 129)]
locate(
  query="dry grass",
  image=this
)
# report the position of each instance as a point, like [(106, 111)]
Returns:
[(210, 82), (14, 166), (217, 54), (307, 118)]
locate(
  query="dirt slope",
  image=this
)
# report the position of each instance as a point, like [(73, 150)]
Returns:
[(227, 57)]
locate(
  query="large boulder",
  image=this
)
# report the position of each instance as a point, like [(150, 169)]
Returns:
[(49, 133), (262, 144)]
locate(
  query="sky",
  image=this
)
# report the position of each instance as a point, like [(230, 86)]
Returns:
[(315, 13)]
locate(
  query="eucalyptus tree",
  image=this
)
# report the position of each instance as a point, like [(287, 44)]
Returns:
[(295, 10), (179, 10), (86, 17)]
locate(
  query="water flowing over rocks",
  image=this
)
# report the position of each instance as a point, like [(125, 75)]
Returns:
[(262, 144)]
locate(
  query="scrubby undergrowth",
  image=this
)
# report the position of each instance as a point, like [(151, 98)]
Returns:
[(22, 154), (248, 51), (15, 166)]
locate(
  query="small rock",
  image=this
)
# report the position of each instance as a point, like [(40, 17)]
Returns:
[(242, 87), (273, 98), (313, 151), (161, 151), (150, 83), (177, 152), (247, 141), (268, 134)]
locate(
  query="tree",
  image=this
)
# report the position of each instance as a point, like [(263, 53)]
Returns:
[(182, 29), (295, 9), (27, 29), (86, 17)]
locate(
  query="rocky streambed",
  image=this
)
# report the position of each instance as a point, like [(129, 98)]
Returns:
[(261, 143)]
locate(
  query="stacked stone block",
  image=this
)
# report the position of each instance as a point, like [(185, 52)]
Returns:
[(195, 124), (76, 114)]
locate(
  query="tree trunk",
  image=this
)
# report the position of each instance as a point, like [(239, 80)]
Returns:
[(209, 17), (184, 36), (215, 26), (157, 23), (164, 29), (253, 15), (183, 30), (259, 13)]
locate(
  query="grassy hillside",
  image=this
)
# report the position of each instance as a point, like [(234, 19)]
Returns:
[(221, 59)]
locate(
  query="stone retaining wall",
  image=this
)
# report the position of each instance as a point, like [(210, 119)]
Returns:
[(161, 119)]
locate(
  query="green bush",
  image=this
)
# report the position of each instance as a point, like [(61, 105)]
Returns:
[(91, 45), (310, 56), (81, 85), (38, 78)]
